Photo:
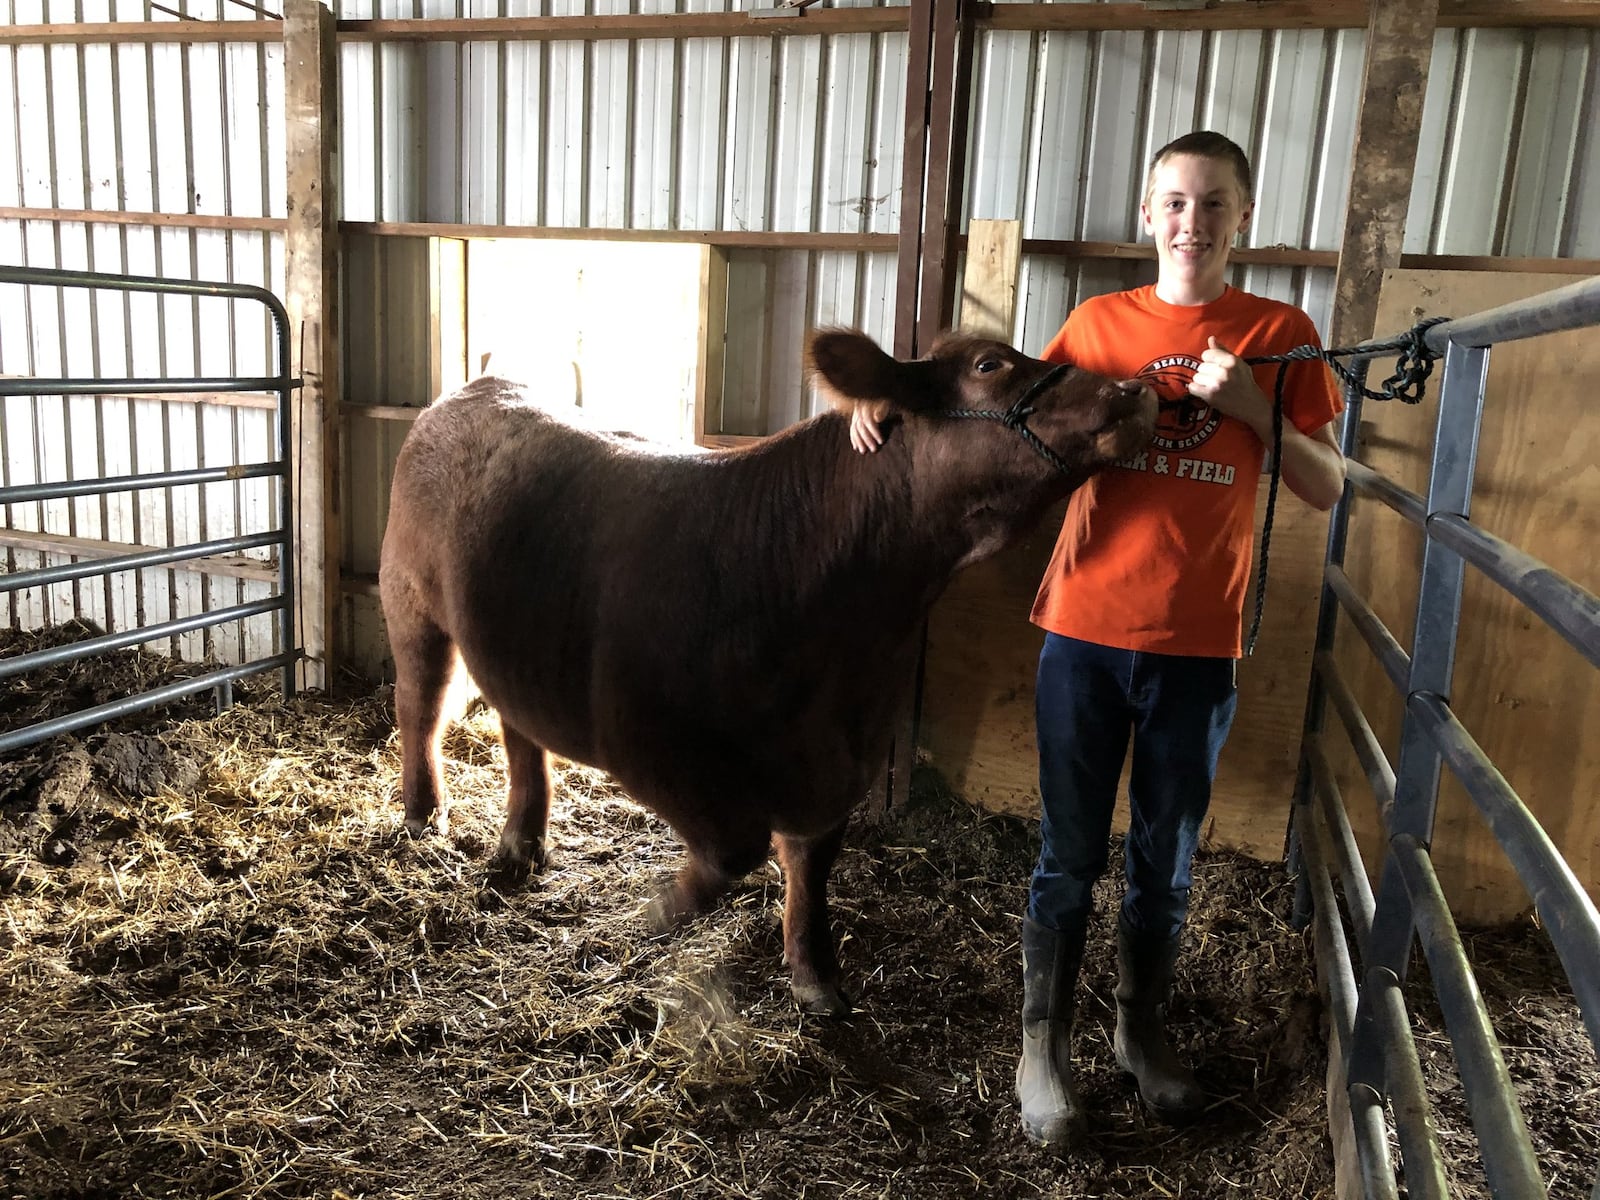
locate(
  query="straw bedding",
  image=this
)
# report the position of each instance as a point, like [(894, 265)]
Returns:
[(226, 971)]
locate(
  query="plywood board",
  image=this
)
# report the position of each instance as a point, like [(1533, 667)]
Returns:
[(1528, 698)]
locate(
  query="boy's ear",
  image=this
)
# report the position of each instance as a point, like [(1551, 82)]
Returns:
[(1249, 211)]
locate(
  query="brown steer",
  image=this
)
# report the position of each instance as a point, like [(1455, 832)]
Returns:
[(728, 634)]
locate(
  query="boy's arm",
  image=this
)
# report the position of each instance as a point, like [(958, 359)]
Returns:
[(1312, 465)]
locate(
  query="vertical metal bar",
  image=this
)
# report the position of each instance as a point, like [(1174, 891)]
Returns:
[(1433, 651), (1455, 452), (286, 549)]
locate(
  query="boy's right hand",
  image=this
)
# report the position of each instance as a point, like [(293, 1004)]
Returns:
[(865, 418)]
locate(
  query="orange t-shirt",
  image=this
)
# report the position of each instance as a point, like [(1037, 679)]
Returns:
[(1154, 553)]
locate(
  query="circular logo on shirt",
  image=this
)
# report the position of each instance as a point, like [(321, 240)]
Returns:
[(1184, 421)]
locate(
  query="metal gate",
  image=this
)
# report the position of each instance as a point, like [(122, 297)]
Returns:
[(220, 680), (1375, 1060)]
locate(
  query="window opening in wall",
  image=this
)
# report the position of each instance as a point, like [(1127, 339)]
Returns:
[(612, 327)]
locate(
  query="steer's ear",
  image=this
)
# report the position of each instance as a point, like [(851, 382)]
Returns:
[(848, 367)]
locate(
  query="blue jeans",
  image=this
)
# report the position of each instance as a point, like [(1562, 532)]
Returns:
[(1088, 700)]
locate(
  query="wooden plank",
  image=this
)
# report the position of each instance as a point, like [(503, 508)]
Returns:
[(977, 699), (1399, 50), (1285, 14), (744, 240), (102, 216), (1530, 700), (312, 297), (628, 26), (134, 33), (989, 279), (235, 566), (712, 338)]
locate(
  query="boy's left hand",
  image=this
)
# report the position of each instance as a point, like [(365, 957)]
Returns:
[(1225, 382)]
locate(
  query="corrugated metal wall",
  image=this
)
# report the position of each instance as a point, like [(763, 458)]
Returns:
[(797, 133)]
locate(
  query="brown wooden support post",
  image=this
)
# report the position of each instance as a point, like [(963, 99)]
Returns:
[(312, 299), (913, 171), (938, 61), (1399, 51), (947, 165)]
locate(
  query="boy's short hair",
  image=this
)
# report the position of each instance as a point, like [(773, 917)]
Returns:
[(1205, 143)]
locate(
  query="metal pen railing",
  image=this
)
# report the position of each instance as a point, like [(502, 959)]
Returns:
[(1376, 1062), (219, 681)]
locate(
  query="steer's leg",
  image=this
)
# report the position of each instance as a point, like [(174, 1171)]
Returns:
[(718, 853), (424, 663), (807, 940), (527, 807)]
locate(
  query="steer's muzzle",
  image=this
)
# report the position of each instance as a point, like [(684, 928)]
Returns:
[(1130, 419)]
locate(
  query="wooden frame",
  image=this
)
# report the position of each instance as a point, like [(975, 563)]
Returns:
[(311, 296)]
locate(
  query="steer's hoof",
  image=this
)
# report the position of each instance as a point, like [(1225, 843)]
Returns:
[(507, 871), (820, 999), (420, 826)]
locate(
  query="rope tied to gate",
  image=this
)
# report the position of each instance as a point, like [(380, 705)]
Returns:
[(1413, 365)]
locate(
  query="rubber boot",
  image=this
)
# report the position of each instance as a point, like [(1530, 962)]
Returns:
[(1052, 1115), (1169, 1090)]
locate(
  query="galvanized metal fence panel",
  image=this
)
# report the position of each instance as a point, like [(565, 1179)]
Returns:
[(1375, 1056), (80, 478)]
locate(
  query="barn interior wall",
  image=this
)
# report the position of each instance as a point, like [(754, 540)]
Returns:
[(793, 135)]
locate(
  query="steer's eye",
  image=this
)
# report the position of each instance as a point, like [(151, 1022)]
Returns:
[(988, 364)]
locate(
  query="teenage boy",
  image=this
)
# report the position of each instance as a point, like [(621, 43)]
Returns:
[(1141, 607)]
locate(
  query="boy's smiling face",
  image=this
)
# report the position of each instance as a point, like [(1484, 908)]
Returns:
[(1193, 208)]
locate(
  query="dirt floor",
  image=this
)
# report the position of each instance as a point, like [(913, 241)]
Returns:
[(226, 971)]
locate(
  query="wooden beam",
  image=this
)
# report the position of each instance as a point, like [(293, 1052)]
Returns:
[(312, 298), (629, 26), (1229, 14), (1399, 50), (726, 238), (103, 216), (1284, 14), (81, 33), (235, 566)]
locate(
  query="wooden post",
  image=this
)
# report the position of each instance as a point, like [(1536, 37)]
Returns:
[(1399, 50), (312, 299)]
